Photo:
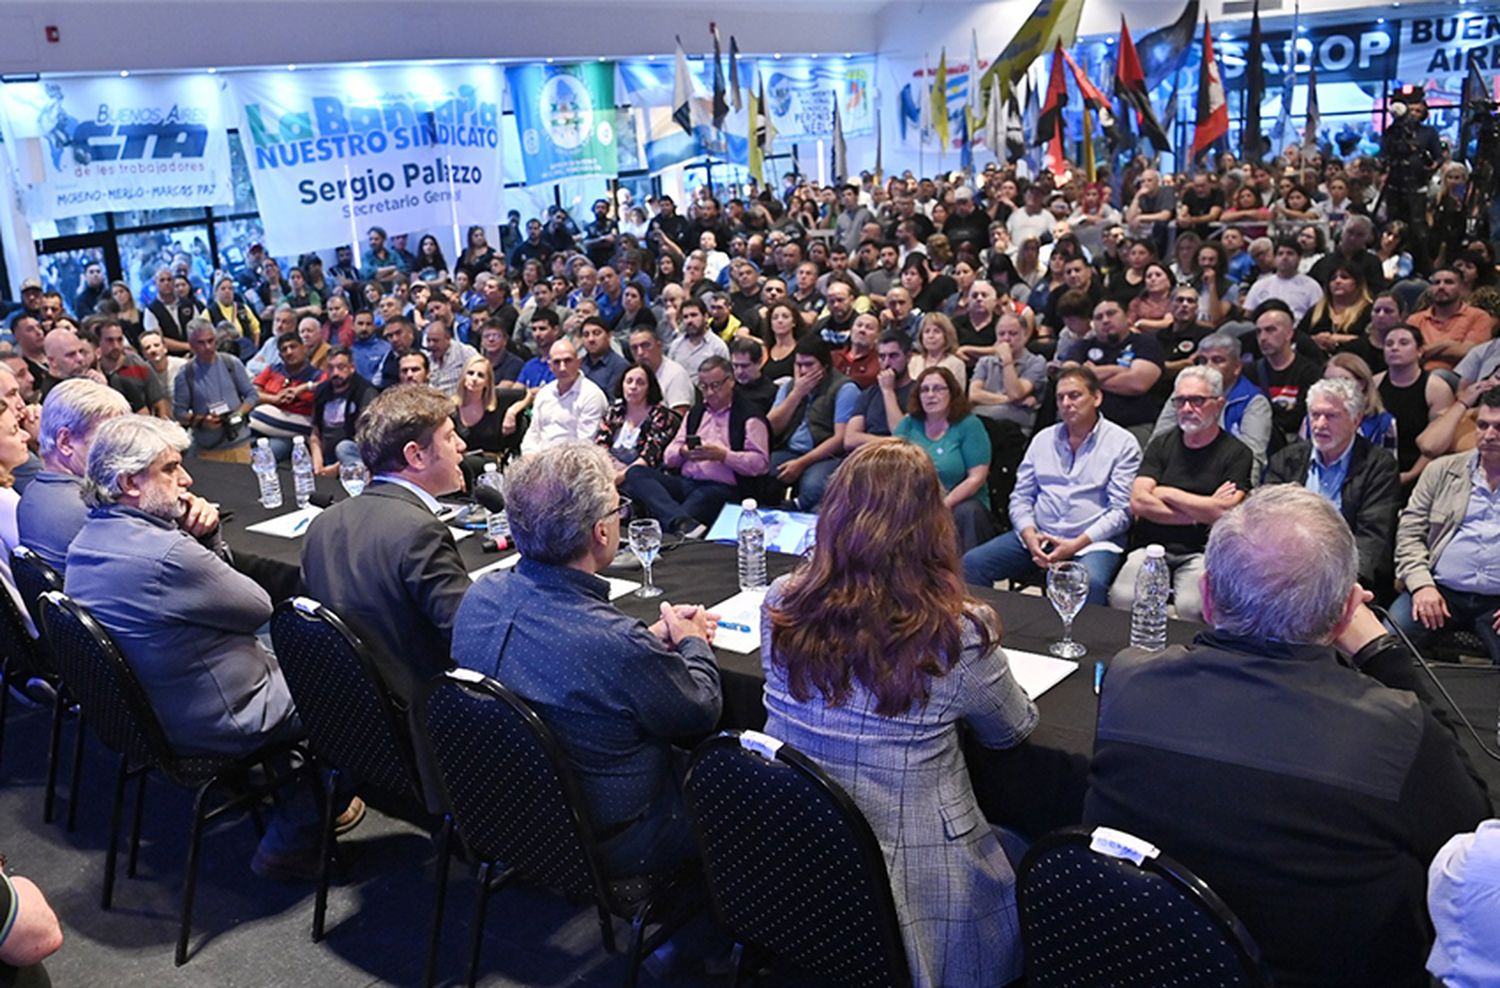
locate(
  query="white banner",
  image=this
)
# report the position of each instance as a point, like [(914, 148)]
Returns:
[(333, 153), (94, 145)]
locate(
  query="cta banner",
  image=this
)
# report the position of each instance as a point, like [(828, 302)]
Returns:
[(333, 153), (94, 145), (566, 117)]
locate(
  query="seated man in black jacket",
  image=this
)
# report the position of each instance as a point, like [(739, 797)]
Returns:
[(1287, 756), (720, 448), (337, 403), (1345, 467)]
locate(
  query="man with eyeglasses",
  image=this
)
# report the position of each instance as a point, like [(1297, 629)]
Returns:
[(729, 446), (569, 407), (1179, 339), (1188, 479), (1247, 411)]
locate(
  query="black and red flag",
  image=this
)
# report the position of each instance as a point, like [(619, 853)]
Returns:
[(1130, 86)]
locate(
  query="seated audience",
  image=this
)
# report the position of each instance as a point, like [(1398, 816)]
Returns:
[(1285, 284), (808, 422), (285, 396), (858, 361), (479, 414), (884, 403), (1445, 541), (747, 357), (637, 427), (1357, 477), (716, 455), (615, 692), (212, 396), (568, 408), (601, 364), (938, 421), (52, 510), (937, 346), (1463, 897), (873, 679), (1417, 398), (1127, 365), (1451, 326), (1187, 479), (1281, 372), (383, 561), (337, 404), (1072, 495), (1284, 756)]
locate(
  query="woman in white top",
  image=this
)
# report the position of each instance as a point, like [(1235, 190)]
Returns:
[(937, 346)]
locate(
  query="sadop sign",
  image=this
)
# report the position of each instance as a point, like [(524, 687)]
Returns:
[(333, 153), (566, 118), (92, 145)]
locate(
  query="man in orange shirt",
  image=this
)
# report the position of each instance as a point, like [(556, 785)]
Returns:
[(1450, 327)]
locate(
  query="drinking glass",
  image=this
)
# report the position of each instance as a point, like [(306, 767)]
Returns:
[(353, 476), (1068, 589), (645, 542)]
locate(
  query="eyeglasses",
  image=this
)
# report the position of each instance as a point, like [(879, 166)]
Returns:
[(935, 389), (1191, 401), (708, 386), (625, 509)]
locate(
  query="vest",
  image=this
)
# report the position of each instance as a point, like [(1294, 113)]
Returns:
[(173, 319), (819, 411)]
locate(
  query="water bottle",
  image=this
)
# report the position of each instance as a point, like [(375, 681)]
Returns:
[(1148, 617), (496, 523), (263, 460), (302, 471), (752, 547)]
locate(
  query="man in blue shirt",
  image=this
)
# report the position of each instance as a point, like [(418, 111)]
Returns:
[(370, 351), (808, 421), (614, 691), (212, 397), (1072, 495), (601, 364), (380, 263)]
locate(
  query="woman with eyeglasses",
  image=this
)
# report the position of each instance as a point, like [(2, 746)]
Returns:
[(938, 421)]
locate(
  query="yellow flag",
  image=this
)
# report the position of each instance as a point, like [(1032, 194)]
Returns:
[(757, 162), (1089, 168), (1052, 21), (940, 100)]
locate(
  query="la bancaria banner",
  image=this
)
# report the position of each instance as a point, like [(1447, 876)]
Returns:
[(565, 115), (800, 94), (93, 145), (335, 152)]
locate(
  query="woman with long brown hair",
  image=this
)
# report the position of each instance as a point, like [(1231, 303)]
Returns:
[(874, 652)]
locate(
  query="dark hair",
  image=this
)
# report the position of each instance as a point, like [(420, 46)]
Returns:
[(693, 303), (342, 351), (494, 323), (1074, 303), (748, 345), (653, 386), (414, 352), (1288, 243), (407, 413), (716, 362), (958, 402), (812, 345), (1489, 398), (896, 336), (1085, 374), (595, 321), (1416, 334), (1273, 305), (546, 315), (285, 338)]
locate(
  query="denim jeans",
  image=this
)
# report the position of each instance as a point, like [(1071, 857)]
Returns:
[(1006, 558), (814, 480), (1468, 612)]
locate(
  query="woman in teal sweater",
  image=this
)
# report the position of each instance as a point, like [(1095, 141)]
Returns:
[(938, 420)]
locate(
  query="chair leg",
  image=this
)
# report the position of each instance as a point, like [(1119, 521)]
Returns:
[(607, 930), (476, 929), (736, 964), (4, 705), (77, 778), (190, 878), (54, 752), (135, 825), (445, 844), (325, 856), (637, 931), (111, 854)]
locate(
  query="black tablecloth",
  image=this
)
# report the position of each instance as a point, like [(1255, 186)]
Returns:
[(1033, 788)]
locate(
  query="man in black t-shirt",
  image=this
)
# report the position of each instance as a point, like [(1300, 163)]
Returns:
[(1188, 478), (1127, 365), (1281, 372), (1200, 206)]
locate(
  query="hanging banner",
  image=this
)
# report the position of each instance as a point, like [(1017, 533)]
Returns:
[(93, 145), (566, 116), (800, 94), (333, 153)]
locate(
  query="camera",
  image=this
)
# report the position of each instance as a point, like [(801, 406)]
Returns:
[(233, 423)]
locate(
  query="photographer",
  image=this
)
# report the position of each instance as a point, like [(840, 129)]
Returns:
[(211, 397), (1410, 150)]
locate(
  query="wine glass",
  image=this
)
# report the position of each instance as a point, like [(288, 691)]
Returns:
[(1068, 589), (353, 476), (645, 542)]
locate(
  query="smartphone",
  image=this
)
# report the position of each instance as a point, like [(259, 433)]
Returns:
[(1048, 545), (694, 441)]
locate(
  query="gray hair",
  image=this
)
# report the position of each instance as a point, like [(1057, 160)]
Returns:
[(78, 405), (1343, 391), (1221, 343), (124, 446), (198, 326), (1292, 587), (554, 496), (1362, 222), (1208, 375)]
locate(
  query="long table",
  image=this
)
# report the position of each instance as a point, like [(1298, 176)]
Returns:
[(1033, 788)]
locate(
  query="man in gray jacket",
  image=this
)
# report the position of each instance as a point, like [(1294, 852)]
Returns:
[(1446, 539)]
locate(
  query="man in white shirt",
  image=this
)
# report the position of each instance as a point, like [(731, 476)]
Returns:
[(569, 408), (695, 344), (1298, 291), (677, 388)]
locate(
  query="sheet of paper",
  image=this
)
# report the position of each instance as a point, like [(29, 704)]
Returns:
[(287, 526), (790, 532), (499, 564), (1037, 673), (739, 622), (459, 534), (619, 588)]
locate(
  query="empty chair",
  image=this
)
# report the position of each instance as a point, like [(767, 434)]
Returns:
[(510, 793), (121, 715), (793, 867), (353, 728), (1103, 908)]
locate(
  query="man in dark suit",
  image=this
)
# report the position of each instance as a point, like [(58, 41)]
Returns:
[(382, 561), (1345, 467)]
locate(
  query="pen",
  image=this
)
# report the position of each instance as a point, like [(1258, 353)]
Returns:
[(1098, 676), (732, 626), (297, 530)]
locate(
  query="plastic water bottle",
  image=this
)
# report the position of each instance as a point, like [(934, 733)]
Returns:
[(1148, 617), (302, 471), (496, 523), (752, 547), (264, 463)]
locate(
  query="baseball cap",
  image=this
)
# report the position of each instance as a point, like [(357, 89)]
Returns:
[(31, 283)]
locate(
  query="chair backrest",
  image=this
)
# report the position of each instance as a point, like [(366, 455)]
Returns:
[(792, 864), (1101, 907), (507, 783), (33, 577), (98, 678), (350, 720), (16, 643)]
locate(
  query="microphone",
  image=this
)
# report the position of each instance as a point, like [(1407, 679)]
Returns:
[(489, 499)]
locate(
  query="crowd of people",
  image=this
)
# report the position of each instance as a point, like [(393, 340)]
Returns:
[(969, 379)]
